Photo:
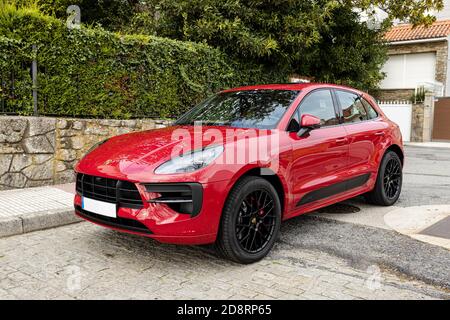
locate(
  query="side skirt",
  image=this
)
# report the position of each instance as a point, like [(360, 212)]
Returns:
[(334, 189)]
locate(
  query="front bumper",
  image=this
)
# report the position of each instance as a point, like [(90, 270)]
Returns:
[(161, 222)]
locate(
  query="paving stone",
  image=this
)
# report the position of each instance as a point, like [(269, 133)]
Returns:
[(113, 265)]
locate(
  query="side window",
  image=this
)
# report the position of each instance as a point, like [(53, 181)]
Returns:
[(352, 107), (319, 104), (371, 112)]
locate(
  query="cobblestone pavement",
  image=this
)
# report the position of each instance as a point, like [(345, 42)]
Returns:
[(83, 261)]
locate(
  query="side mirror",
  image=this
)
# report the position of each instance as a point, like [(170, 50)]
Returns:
[(308, 123)]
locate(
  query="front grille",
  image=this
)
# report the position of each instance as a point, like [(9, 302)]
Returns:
[(120, 223), (121, 192)]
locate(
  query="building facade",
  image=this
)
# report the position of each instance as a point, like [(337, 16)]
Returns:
[(417, 57)]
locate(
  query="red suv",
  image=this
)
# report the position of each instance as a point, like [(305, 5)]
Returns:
[(232, 168)]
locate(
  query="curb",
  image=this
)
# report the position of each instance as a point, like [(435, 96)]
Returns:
[(412, 221), (36, 221), (437, 145)]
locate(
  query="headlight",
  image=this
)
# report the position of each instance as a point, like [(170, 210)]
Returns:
[(191, 161)]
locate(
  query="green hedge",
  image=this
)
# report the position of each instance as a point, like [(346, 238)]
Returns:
[(92, 72), (15, 77)]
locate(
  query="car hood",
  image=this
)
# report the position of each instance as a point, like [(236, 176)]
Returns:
[(134, 156)]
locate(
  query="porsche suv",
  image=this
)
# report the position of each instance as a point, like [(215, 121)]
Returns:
[(232, 168)]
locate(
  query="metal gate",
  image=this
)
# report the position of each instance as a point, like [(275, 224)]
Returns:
[(441, 121)]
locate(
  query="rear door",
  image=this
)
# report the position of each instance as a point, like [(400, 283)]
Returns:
[(319, 158), (364, 131)]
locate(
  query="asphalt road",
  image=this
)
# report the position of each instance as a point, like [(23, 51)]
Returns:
[(426, 177)]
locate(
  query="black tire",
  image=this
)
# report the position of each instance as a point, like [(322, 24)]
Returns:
[(383, 193), (244, 212)]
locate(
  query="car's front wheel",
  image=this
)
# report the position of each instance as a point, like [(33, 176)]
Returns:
[(250, 221), (389, 181)]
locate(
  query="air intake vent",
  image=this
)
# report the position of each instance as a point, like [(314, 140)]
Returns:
[(121, 192), (180, 197)]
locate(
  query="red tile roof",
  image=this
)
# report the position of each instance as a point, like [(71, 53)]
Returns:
[(404, 32)]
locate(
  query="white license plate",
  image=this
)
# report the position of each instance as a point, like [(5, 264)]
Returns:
[(99, 207)]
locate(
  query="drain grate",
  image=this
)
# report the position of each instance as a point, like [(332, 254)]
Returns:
[(340, 208)]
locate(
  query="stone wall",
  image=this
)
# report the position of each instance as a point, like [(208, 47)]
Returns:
[(422, 120), (394, 94), (36, 151)]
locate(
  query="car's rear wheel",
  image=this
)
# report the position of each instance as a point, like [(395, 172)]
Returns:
[(389, 181), (250, 221)]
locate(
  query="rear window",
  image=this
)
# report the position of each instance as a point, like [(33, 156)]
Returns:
[(352, 107), (371, 112)]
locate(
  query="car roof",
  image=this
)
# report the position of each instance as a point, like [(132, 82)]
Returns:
[(289, 86)]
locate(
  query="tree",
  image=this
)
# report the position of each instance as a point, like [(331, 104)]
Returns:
[(320, 38), (415, 12), (111, 14)]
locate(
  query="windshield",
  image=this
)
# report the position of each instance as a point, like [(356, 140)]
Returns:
[(261, 109)]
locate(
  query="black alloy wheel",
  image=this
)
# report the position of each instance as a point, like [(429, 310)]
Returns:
[(250, 222), (255, 223), (388, 185), (392, 178)]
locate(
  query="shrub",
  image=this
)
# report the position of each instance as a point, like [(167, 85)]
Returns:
[(15, 77)]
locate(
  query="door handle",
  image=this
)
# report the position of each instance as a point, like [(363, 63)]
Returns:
[(341, 141), (379, 133)]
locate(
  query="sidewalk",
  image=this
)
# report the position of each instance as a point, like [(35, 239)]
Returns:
[(426, 223), (25, 210), (431, 144)]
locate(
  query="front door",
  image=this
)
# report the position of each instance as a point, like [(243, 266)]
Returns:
[(319, 158)]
